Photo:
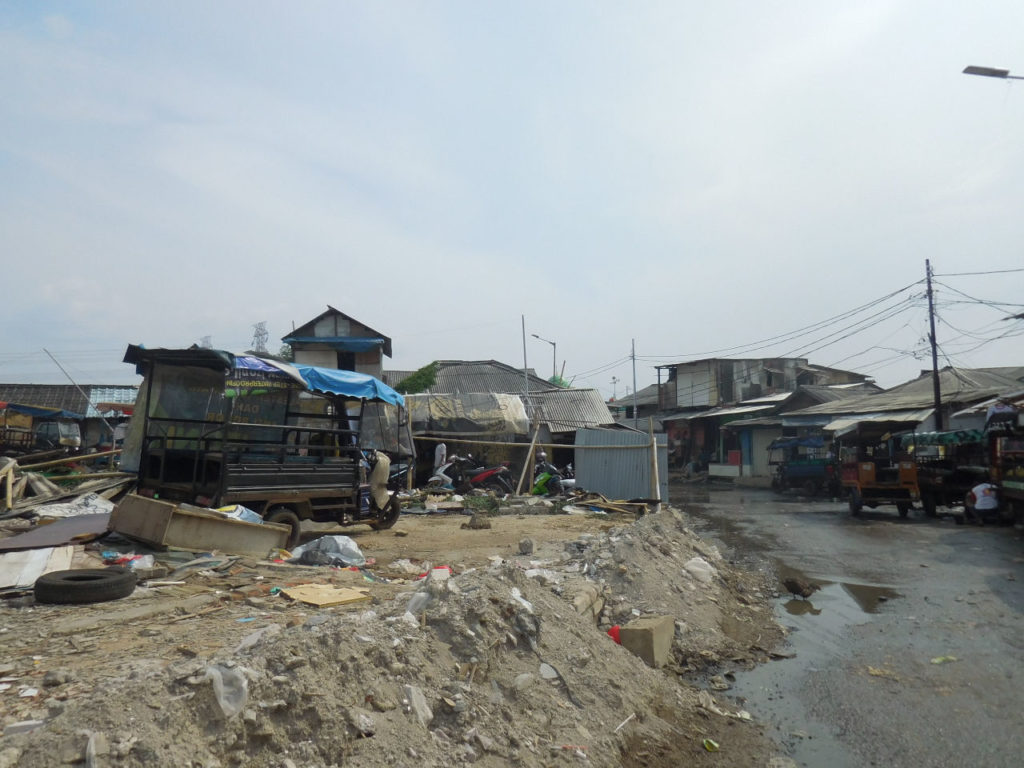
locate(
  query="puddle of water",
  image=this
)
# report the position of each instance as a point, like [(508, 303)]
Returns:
[(774, 692)]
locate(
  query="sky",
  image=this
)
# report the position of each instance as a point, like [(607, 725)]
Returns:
[(727, 179)]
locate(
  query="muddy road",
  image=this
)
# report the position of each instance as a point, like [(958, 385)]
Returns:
[(911, 653)]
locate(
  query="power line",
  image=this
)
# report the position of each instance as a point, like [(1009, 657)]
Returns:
[(969, 274), (789, 336)]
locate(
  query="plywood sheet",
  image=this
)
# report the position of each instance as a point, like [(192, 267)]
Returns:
[(82, 528)]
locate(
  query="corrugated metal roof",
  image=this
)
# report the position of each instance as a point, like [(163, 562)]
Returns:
[(125, 395), (954, 385), (776, 398), (458, 377), (848, 424), (567, 410)]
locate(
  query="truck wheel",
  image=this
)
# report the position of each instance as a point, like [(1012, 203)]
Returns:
[(86, 585), (929, 505), (855, 502), (903, 507), (285, 516), (388, 516)]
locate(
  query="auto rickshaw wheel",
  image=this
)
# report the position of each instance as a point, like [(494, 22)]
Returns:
[(389, 515), (929, 505), (285, 516), (811, 488), (903, 507), (855, 502)]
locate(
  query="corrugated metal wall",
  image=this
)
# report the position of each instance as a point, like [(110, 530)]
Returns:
[(619, 473)]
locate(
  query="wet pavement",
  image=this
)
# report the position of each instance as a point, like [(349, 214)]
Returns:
[(911, 652)]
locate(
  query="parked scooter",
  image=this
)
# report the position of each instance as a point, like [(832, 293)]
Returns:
[(548, 480), (463, 473)]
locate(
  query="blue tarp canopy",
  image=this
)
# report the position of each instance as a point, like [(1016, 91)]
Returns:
[(39, 412), (360, 386)]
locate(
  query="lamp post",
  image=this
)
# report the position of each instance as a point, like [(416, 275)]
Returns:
[(554, 358), (1003, 74)]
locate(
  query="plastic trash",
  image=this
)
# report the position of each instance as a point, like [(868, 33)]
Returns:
[(700, 569), (230, 686), (329, 550), (238, 512), (710, 745)]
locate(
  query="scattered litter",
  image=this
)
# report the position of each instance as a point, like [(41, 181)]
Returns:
[(238, 512), (710, 745), (619, 726), (882, 672), (944, 659), (230, 686), (328, 550)]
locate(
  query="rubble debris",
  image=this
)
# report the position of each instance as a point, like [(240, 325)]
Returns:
[(650, 638)]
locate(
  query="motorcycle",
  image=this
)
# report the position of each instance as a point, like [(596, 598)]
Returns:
[(548, 480), (463, 473)]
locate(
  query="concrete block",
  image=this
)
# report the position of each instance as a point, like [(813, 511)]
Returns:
[(650, 638)]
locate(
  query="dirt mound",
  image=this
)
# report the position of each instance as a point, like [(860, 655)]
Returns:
[(507, 663)]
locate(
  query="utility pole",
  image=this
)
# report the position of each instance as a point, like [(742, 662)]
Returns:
[(615, 389), (632, 354), (935, 348)]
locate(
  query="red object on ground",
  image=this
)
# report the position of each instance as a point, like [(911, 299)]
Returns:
[(613, 633)]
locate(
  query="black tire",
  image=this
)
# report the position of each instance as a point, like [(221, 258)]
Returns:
[(285, 516), (855, 502), (810, 488), (929, 505), (86, 585), (903, 507), (388, 516)]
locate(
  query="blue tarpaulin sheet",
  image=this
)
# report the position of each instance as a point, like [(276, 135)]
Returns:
[(348, 384)]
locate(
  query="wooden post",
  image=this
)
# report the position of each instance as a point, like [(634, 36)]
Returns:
[(529, 461), (655, 480)]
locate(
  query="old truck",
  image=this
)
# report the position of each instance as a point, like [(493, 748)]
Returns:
[(289, 442), (28, 428), (875, 469), (949, 464)]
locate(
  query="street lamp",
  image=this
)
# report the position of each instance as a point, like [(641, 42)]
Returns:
[(554, 361), (991, 72)]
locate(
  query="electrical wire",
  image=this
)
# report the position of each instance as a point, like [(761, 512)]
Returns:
[(969, 274), (789, 336)]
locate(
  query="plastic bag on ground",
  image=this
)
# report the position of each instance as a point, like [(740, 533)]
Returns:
[(329, 550), (230, 686)]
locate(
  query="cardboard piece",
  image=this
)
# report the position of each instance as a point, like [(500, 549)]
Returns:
[(19, 570), (324, 595)]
